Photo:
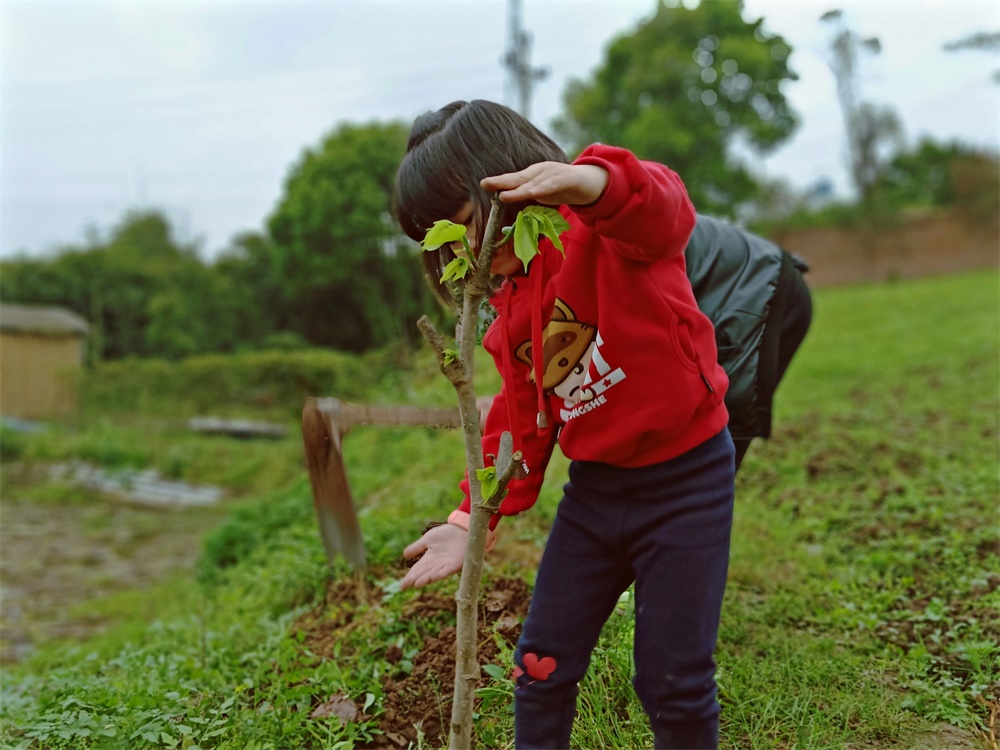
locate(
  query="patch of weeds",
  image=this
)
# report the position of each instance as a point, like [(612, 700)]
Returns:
[(829, 696), (608, 712), (952, 656), (494, 717), (56, 493), (191, 685), (12, 443), (111, 447), (249, 526)]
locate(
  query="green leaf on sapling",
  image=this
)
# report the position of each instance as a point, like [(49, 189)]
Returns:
[(488, 481), (449, 356), (442, 233), (456, 269), (525, 240), (532, 222), (551, 223)]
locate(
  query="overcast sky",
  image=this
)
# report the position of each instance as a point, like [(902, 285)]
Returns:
[(200, 108)]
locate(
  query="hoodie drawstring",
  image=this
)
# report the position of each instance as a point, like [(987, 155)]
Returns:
[(536, 272), (537, 347), (508, 370)]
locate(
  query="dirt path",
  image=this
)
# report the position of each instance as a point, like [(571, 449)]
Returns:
[(55, 556)]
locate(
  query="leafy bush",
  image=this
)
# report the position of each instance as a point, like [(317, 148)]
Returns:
[(249, 526), (11, 443), (930, 177), (273, 382)]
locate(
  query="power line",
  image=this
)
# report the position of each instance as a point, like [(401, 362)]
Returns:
[(517, 60)]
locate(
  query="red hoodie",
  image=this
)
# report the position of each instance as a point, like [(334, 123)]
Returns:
[(628, 364)]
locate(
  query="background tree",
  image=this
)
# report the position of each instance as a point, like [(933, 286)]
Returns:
[(255, 288), (143, 293), (774, 201), (988, 41), (682, 89), (949, 175), (345, 281), (924, 175), (332, 270), (871, 130)]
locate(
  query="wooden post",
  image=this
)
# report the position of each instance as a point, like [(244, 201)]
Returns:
[(325, 421)]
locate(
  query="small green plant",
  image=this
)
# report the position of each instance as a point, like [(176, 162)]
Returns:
[(529, 224)]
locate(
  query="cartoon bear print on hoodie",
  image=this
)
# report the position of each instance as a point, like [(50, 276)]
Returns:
[(569, 347)]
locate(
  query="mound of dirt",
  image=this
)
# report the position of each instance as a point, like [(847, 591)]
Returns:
[(422, 700), (419, 702)]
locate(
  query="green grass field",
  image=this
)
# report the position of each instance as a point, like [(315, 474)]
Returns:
[(863, 607)]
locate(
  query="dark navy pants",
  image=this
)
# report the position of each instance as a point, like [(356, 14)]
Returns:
[(666, 527)]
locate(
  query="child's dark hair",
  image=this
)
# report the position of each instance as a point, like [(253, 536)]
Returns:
[(449, 151)]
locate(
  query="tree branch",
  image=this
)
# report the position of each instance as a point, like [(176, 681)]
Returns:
[(510, 463), (479, 284)]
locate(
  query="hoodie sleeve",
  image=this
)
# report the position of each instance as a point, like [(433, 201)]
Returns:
[(645, 207), (535, 445)]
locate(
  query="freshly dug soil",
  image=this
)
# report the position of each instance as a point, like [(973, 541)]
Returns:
[(420, 702)]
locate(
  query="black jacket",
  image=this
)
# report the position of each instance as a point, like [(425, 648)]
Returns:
[(735, 276)]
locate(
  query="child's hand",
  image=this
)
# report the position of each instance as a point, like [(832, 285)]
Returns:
[(443, 549), (552, 183), (483, 405)]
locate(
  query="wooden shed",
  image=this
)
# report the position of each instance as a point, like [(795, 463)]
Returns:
[(41, 354)]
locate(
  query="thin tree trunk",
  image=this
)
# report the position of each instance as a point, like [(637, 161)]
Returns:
[(460, 373)]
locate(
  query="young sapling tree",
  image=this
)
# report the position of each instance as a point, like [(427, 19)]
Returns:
[(487, 485)]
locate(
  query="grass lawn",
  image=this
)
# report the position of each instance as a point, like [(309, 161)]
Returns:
[(862, 607)]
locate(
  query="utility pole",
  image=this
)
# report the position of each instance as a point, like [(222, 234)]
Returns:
[(521, 77)]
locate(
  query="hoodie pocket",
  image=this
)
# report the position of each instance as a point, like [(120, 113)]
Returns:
[(690, 358), (680, 337)]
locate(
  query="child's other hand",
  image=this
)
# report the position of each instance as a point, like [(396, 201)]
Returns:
[(483, 405), (552, 183), (443, 549)]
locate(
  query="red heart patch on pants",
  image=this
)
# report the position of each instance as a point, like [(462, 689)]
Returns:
[(540, 669)]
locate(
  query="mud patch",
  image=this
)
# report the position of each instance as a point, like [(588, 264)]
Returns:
[(57, 556)]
